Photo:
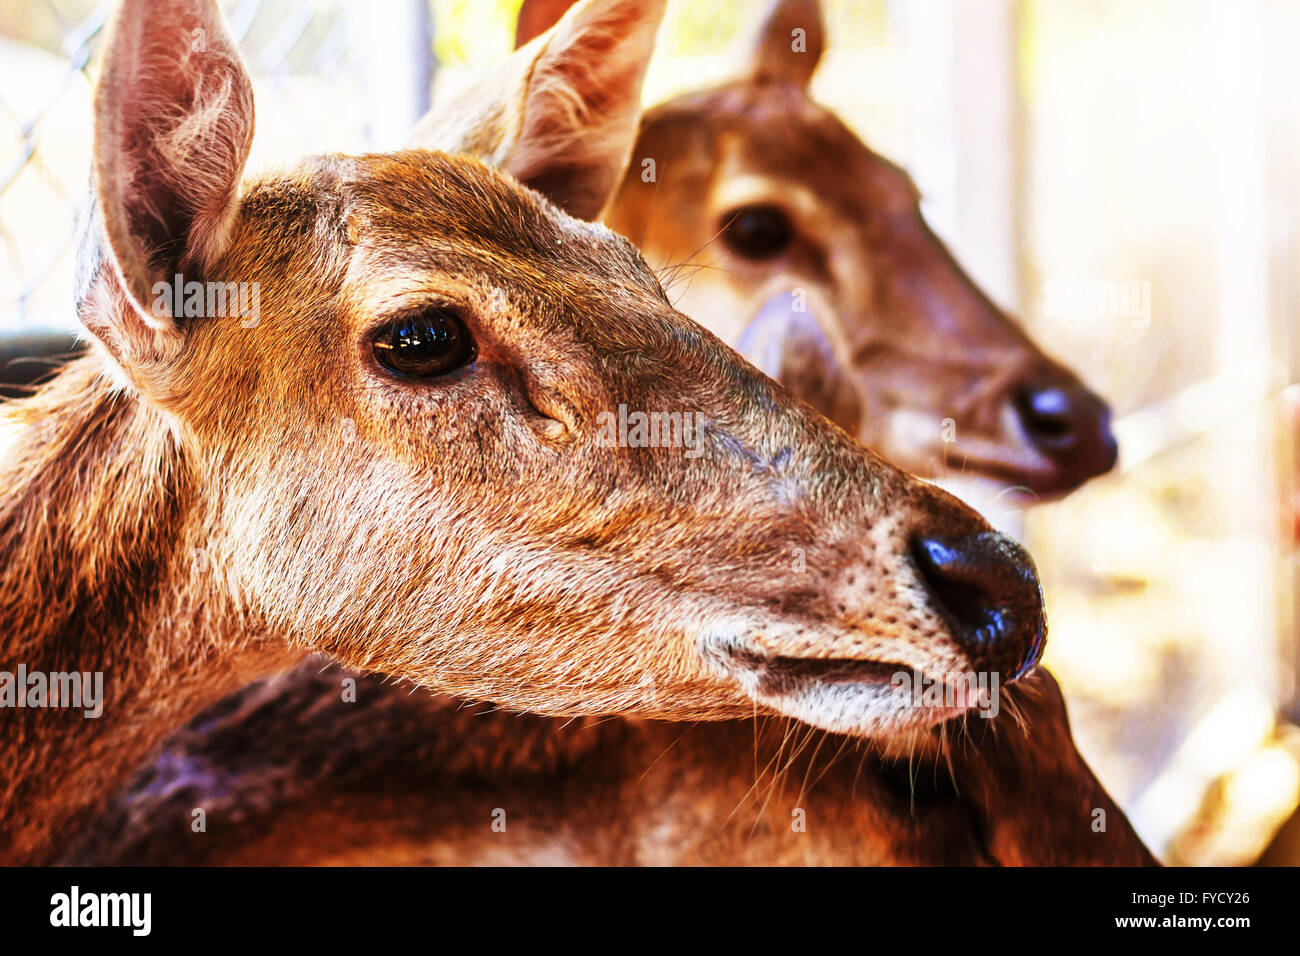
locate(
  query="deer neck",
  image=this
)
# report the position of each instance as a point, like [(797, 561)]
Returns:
[(100, 524)]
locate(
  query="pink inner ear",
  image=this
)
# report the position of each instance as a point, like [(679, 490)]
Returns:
[(573, 98), (174, 117), (583, 104)]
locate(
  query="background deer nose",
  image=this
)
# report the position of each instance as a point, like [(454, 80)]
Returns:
[(1070, 425), (985, 587)]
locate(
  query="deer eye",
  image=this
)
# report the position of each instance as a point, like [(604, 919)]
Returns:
[(757, 232), (424, 345)]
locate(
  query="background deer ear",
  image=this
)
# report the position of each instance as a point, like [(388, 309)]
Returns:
[(560, 114), (538, 16), (173, 124), (785, 341), (789, 43)]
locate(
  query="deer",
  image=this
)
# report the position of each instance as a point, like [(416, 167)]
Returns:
[(397, 463), (296, 774), (752, 188)]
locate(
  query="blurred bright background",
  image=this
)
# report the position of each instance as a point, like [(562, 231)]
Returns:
[(1125, 176)]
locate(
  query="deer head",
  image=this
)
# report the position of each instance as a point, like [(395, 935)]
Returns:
[(413, 456), (756, 189)]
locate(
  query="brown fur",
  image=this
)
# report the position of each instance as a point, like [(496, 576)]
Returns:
[(93, 529), (215, 500), (289, 774)]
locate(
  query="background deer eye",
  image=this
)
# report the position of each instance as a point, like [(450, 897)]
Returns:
[(424, 345), (757, 232)]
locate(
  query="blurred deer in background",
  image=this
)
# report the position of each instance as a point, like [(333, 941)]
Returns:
[(399, 461), (289, 772), (757, 188)]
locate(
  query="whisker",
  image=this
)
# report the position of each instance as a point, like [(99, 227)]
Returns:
[(665, 752)]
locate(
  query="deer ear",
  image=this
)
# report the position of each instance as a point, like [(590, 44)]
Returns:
[(786, 342), (536, 17), (560, 114), (789, 43), (173, 124)]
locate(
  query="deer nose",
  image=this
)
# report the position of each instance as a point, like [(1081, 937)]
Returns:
[(1069, 425), (985, 588)]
